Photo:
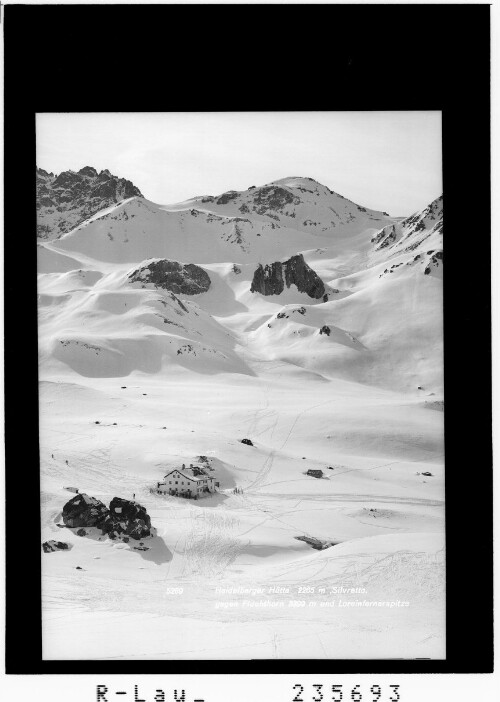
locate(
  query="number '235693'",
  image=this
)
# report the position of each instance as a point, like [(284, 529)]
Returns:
[(342, 693)]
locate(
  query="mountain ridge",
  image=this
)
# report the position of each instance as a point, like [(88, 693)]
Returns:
[(353, 280), (71, 197)]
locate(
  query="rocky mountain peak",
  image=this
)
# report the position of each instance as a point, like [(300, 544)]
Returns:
[(66, 200), (299, 203), (43, 174), (88, 171)]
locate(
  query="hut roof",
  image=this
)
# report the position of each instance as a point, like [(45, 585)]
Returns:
[(195, 473)]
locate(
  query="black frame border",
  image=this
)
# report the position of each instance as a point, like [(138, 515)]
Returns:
[(374, 57)]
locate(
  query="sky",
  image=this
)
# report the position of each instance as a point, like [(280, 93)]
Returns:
[(389, 161)]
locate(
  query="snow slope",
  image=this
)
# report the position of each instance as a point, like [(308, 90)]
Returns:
[(136, 380)]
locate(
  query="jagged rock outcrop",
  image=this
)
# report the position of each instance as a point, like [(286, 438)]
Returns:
[(179, 278), (268, 279), (66, 200), (272, 197), (123, 518), (408, 234), (385, 237), (126, 518), (84, 511), (272, 278), (435, 260)]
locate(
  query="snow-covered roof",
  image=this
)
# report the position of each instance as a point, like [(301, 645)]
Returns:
[(187, 474)]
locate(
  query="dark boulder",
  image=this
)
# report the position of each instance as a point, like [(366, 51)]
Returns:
[(179, 278), (128, 509), (50, 546), (315, 473), (248, 442), (325, 330), (272, 278), (84, 511), (128, 518)]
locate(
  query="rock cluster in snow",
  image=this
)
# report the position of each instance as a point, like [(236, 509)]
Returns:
[(123, 517), (52, 545), (179, 278), (435, 260), (272, 278), (67, 199)]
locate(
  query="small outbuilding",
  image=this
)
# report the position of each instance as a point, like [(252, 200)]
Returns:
[(314, 473)]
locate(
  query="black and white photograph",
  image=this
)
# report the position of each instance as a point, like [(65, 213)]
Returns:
[(241, 385), (248, 429)]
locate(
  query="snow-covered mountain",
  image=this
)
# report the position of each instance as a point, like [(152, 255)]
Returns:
[(421, 235), (278, 219), (284, 314), (65, 200), (355, 271)]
